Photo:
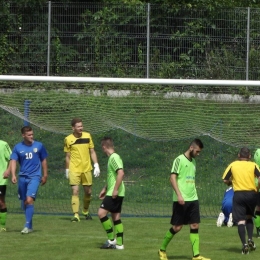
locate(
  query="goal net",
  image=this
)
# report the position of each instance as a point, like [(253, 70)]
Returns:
[(151, 125)]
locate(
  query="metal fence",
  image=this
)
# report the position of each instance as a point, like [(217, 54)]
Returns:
[(86, 39)]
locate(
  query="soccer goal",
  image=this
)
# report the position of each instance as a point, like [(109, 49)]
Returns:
[(151, 120)]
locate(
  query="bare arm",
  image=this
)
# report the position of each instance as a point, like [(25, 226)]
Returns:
[(173, 180), (13, 170), (45, 171), (7, 171), (119, 179), (93, 155)]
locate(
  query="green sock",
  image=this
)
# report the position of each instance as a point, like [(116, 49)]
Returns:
[(167, 239), (195, 241), (107, 225), (3, 214), (119, 232), (257, 219)]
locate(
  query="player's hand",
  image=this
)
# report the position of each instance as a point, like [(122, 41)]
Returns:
[(96, 170), (44, 180), (115, 194), (180, 200), (102, 194), (67, 173), (6, 174), (14, 180)]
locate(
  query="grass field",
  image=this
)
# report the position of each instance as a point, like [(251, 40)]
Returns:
[(55, 237)]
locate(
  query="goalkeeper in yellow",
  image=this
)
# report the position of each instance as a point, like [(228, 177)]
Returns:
[(79, 149)]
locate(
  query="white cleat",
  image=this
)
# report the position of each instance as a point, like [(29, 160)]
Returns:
[(220, 220)]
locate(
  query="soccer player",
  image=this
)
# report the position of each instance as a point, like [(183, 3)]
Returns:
[(31, 155), (225, 216), (5, 153), (79, 148), (185, 200), (112, 195), (257, 210), (241, 174)]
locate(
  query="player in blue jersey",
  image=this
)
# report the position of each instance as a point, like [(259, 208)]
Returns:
[(225, 216), (31, 156)]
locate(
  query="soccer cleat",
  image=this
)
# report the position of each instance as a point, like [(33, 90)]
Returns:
[(220, 219), (251, 245), (87, 215), (120, 247), (162, 255), (2, 229), (258, 232), (26, 230), (230, 220), (75, 218), (245, 249), (109, 245), (200, 257)]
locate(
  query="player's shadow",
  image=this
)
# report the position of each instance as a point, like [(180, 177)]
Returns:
[(178, 257), (232, 249)]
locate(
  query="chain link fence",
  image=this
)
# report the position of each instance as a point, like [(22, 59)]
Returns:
[(86, 39)]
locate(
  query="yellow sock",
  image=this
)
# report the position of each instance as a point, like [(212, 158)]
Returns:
[(75, 204)]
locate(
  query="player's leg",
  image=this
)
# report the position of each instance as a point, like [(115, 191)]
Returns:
[(177, 219), (118, 225), (107, 225), (257, 216), (3, 209), (227, 211), (75, 180), (239, 216), (193, 213), (87, 185), (31, 192), (251, 205)]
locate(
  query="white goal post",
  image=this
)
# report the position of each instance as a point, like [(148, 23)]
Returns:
[(131, 80)]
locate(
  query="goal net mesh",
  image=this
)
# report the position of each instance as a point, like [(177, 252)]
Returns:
[(151, 125)]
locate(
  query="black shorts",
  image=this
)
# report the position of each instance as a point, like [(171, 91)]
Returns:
[(244, 203), (258, 199), (189, 213), (2, 190), (112, 205)]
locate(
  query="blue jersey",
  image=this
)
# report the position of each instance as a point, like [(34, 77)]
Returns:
[(29, 158), (228, 196)]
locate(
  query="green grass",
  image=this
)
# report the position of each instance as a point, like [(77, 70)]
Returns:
[(55, 237)]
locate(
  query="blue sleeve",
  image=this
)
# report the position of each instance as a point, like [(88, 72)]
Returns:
[(14, 155), (43, 153)]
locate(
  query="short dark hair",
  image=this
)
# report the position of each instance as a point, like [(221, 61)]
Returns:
[(244, 152), (197, 142), (25, 129), (107, 141), (75, 120)]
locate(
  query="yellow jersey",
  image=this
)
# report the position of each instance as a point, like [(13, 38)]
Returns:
[(242, 174), (78, 148)]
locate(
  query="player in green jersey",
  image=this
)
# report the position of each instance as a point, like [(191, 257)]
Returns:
[(257, 210), (112, 195), (185, 200), (5, 153)]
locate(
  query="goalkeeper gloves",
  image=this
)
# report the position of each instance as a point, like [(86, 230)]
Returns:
[(96, 170), (67, 173)]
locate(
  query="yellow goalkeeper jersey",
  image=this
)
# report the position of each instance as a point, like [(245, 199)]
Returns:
[(79, 152)]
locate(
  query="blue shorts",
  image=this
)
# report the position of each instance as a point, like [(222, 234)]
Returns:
[(28, 187)]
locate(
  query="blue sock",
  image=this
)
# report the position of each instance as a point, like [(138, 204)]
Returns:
[(29, 210)]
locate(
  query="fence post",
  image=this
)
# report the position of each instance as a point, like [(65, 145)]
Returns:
[(247, 42), (148, 42), (26, 112), (49, 38)]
